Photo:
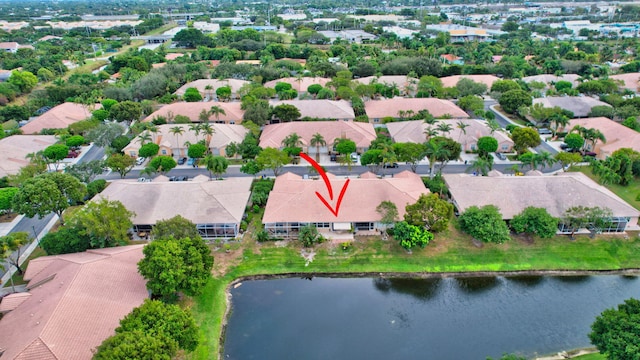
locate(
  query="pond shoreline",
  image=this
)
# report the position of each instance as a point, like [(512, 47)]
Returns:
[(414, 275)]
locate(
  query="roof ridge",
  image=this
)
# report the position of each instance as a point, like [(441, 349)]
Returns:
[(39, 338), (59, 302)]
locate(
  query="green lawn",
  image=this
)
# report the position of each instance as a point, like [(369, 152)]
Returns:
[(627, 193), (596, 356), (449, 252)]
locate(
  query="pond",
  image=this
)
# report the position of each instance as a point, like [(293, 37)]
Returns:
[(438, 318)]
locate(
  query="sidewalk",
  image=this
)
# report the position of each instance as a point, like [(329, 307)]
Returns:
[(6, 227)]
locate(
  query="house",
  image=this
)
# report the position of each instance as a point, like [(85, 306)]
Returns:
[(216, 207), (320, 109), (14, 151), (406, 85), (353, 36), (579, 105), (73, 303), (378, 109), (413, 131), (233, 113), (11, 47), (299, 84), (208, 87), (59, 117), (452, 81), (630, 81), (617, 136), (173, 56), (555, 193), (361, 133), (293, 203), (173, 143), (550, 80), (451, 59)]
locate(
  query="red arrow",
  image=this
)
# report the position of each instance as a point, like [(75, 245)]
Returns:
[(327, 183)]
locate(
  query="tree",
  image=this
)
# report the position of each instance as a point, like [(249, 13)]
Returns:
[(345, 147), (615, 332), (524, 138), (46, 193), (286, 112), (574, 141), (75, 141), (197, 151), (314, 89), (163, 163), (435, 150), (149, 150), (309, 235), (86, 171), (411, 153), (105, 222), (216, 111), (372, 158), (65, 240), (292, 140), (24, 81), (136, 345), (55, 153), (486, 145), (410, 236), (121, 164), (159, 319), (177, 131), (216, 165), (224, 93), (388, 213), (317, 140), (502, 86), (468, 87), (471, 103), (273, 159), (125, 111), (177, 227), (191, 38), (119, 143), (192, 95), (537, 221), (568, 159), (6, 198), (251, 167), (430, 212), (104, 134), (171, 266), (512, 100), (484, 224), (10, 244)]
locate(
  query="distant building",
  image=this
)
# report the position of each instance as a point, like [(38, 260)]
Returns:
[(321, 109), (379, 109), (59, 117), (233, 113), (580, 105), (14, 150), (617, 135), (11, 47), (354, 36)]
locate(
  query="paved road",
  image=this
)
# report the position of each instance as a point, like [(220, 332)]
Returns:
[(95, 153)]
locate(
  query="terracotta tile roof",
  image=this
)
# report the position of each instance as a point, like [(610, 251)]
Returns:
[(450, 57), (451, 81), (552, 79), (158, 65), (192, 110), (630, 81), (361, 133), (59, 117), (293, 198), (199, 200), (14, 149), (201, 84), (579, 105), (301, 84), (12, 301), (618, 136), (555, 193), (400, 81), (173, 56), (323, 109), (413, 131), (377, 109), (8, 45), (77, 308)]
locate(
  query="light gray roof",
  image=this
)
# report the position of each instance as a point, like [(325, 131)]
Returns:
[(556, 193), (579, 105), (199, 200)]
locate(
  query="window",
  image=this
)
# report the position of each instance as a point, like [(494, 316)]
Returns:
[(133, 154), (232, 122), (164, 152), (376, 120), (473, 147), (505, 147)]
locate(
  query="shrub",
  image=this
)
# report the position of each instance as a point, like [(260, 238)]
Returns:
[(309, 236), (95, 187), (262, 236), (485, 224)]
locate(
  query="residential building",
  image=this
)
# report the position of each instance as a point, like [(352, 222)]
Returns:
[(354, 36), (208, 87), (14, 150), (299, 84), (413, 131), (555, 193), (579, 105), (406, 85), (378, 109), (233, 113), (11, 47), (216, 207), (452, 81), (550, 80), (451, 59), (59, 117), (293, 203), (361, 133), (175, 143), (73, 302), (617, 136), (630, 81), (320, 109)]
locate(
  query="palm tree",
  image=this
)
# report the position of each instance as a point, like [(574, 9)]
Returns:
[(444, 128), (434, 150), (402, 114), (177, 131), (217, 111), (515, 168), (207, 130), (430, 132), (317, 140), (292, 140), (594, 135), (463, 129), (203, 116), (559, 120), (153, 129), (544, 158), (196, 129), (144, 138), (481, 165)]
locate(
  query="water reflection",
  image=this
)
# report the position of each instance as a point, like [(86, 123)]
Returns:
[(572, 279), (477, 284), (527, 280), (421, 289)]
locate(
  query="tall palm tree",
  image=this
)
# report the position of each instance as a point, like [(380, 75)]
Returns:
[(481, 165), (544, 158), (292, 140), (433, 151), (203, 116), (217, 111), (144, 138), (177, 131), (196, 129), (207, 130), (594, 135), (444, 128), (317, 140), (559, 120), (463, 129), (430, 132), (153, 129)]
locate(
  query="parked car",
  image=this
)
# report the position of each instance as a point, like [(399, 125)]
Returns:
[(333, 157), (390, 165), (501, 156), (544, 131), (191, 161), (589, 153), (142, 179), (182, 160), (140, 160)]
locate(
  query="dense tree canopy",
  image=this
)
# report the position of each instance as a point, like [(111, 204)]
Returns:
[(177, 227), (536, 221), (485, 224), (430, 212), (616, 331)]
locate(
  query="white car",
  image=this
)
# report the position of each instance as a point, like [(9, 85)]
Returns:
[(140, 160)]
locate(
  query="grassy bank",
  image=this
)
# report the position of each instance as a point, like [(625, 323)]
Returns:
[(627, 193), (449, 252)]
